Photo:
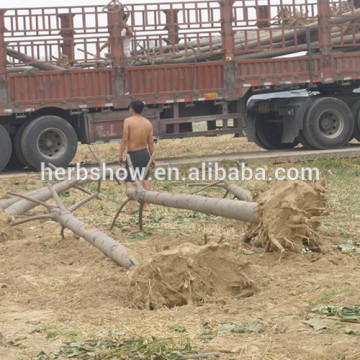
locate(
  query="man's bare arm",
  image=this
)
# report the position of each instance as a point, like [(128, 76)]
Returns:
[(129, 31), (150, 142), (124, 141)]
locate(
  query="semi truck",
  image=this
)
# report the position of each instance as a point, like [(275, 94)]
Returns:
[(203, 68)]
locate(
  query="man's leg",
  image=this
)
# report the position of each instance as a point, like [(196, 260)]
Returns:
[(147, 186), (131, 203)]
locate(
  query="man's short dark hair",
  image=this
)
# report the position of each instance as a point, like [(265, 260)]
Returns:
[(137, 106)]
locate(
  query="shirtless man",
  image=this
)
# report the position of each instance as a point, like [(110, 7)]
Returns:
[(138, 140)]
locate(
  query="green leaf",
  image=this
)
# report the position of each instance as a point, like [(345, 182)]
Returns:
[(52, 335), (317, 324), (179, 328), (133, 348), (345, 313), (254, 326), (41, 356), (352, 332), (351, 313), (7, 343), (328, 310), (350, 246), (208, 334)]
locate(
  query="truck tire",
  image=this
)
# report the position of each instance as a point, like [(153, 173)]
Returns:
[(328, 123), (14, 162), (268, 136), (356, 112), (5, 147), (49, 139), (17, 144), (303, 142)]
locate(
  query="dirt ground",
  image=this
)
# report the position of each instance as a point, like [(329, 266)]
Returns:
[(53, 290)]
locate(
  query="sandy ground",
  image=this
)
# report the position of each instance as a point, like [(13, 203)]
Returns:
[(53, 290), (49, 284)]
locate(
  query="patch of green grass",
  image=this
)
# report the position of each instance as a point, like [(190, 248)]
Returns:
[(127, 349), (198, 215), (155, 217), (328, 296), (113, 192), (143, 235), (253, 326), (345, 313), (168, 186), (53, 333), (352, 333), (354, 172), (344, 233), (91, 186), (42, 329), (6, 343)]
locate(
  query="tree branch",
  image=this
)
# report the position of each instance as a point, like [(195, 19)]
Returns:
[(83, 202), (56, 197), (118, 213), (32, 218), (141, 211), (38, 202)]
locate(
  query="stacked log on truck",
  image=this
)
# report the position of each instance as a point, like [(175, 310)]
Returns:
[(66, 75), (271, 41)]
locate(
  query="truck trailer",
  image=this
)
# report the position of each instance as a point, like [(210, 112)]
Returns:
[(69, 73)]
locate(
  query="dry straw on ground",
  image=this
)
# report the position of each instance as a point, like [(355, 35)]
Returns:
[(6, 231)]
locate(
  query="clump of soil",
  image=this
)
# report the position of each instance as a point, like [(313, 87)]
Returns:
[(6, 231), (289, 214), (189, 274)]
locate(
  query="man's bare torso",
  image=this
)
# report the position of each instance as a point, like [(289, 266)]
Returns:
[(139, 129)]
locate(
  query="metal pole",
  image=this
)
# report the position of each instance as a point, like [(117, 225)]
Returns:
[(324, 15), (230, 81), (67, 33), (308, 34), (4, 94), (226, 28)]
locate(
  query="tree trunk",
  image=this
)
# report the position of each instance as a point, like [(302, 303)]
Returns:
[(19, 69), (34, 62), (122, 255), (16, 206), (269, 37), (233, 209)]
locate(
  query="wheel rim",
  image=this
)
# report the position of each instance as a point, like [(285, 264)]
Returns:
[(52, 143), (331, 123)]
